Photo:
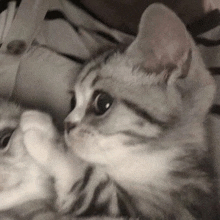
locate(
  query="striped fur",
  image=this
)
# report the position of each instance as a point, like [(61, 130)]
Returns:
[(139, 115)]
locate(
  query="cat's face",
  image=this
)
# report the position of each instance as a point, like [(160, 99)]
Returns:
[(140, 103), (108, 118)]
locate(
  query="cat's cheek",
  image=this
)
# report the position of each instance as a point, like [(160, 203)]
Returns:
[(96, 148), (85, 147)]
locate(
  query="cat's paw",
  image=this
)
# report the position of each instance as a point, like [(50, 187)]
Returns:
[(36, 120), (39, 134)]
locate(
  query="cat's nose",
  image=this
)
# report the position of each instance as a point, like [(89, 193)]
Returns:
[(69, 126)]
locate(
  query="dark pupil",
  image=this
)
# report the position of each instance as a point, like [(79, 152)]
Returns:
[(103, 102), (4, 140)]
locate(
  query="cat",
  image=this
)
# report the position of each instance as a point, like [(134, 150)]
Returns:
[(34, 164), (37, 170), (138, 117), (137, 125)]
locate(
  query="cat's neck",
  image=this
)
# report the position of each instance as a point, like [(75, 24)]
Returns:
[(154, 160), (149, 181), (142, 169)]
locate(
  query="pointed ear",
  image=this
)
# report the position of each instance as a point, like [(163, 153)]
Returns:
[(162, 40)]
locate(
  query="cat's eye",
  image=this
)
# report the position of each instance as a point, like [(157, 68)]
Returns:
[(4, 140), (102, 102)]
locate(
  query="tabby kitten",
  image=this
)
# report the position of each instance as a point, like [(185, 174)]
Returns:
[(138, 116), (35, 165)]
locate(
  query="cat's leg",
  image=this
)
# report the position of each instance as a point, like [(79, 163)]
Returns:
[(42, 142)]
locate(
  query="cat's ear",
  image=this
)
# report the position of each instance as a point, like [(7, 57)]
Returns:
[(162, 41)]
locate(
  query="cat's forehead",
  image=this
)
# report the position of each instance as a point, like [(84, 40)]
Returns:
[(123, 68), (117, 68)]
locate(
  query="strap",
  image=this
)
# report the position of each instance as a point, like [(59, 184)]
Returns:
[(25, 26)]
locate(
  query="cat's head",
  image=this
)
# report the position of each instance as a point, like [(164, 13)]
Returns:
[(152, 96)]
